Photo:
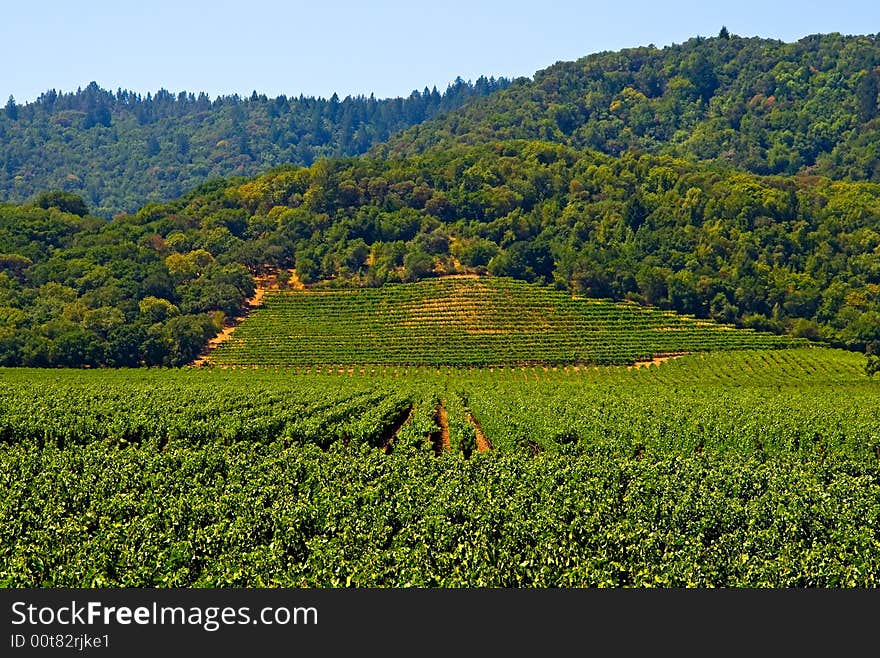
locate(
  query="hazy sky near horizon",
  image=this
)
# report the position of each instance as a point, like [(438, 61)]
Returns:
[(386, 48)]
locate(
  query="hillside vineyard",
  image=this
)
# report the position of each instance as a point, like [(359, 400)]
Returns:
[(468, 322)]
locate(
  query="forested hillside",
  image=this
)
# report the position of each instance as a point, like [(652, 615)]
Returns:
[(749, 103), (792, 255), (121, 150), (754, 104)]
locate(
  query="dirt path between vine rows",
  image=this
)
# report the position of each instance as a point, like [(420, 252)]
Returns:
[(387, 444), (231, 325), (483, 443), (441, 439)]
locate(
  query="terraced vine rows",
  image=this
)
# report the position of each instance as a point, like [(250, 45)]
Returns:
[(455, 321)]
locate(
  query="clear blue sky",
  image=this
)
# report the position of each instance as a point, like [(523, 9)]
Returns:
[(387, 48)]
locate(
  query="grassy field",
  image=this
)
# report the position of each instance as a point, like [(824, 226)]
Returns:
[(747, 468)]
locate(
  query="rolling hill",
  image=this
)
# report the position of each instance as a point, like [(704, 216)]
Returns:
[(790, 255), (445, 375)]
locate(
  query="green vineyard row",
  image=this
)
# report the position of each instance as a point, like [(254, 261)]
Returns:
[(747, 468)]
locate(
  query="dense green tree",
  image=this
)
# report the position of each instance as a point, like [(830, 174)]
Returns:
[(417, 265), (524, 260), (187, 334), (11, 109), (63, 201), (475, 253)]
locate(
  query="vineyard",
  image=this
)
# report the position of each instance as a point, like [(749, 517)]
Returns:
[(739, 468), (463, 321)]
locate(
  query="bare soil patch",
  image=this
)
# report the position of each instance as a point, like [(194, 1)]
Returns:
[(440, 438), (229, 326), (269, 280), (656, 361)]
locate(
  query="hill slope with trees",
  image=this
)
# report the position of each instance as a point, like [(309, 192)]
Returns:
[(121, 150), (753, 104), (795, 255)]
